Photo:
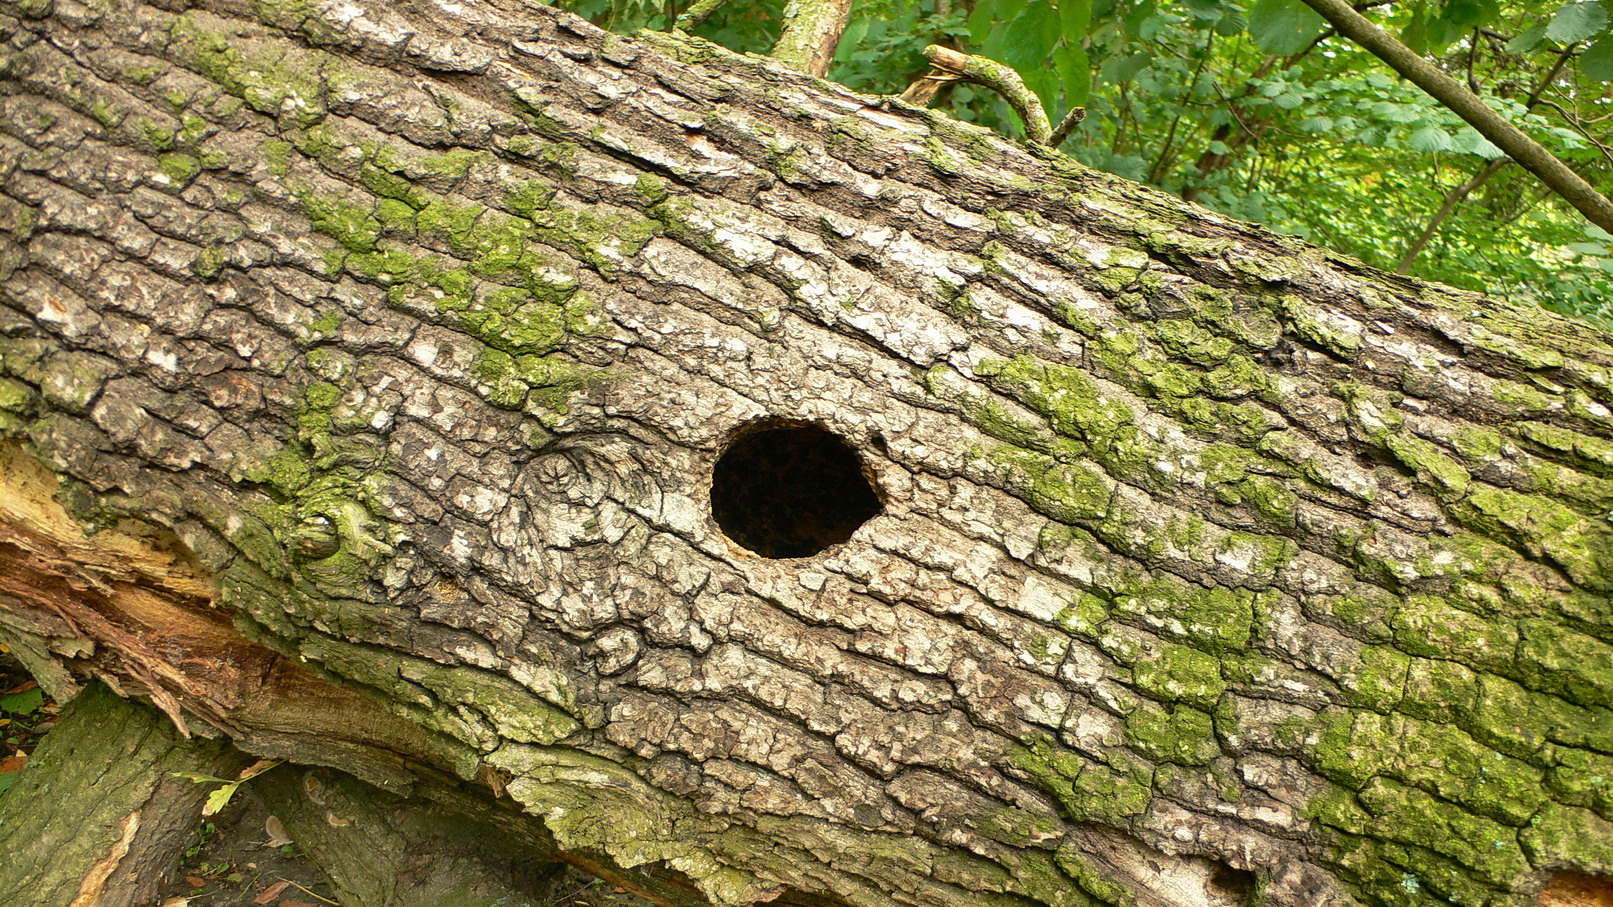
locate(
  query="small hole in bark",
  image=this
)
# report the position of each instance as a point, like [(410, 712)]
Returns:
[(790, 490), (1236, 885)]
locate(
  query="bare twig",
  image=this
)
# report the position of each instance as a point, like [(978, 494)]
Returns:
[(1550, 77), (311, 894), (1166, 155), (1494, 35), (1210, 161), (1573, 121), (1451, 201), (1456, 196)]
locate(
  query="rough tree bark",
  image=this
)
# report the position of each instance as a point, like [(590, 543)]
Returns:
[(391, 348)]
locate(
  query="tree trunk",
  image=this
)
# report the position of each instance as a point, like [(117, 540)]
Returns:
[(1069, 544)]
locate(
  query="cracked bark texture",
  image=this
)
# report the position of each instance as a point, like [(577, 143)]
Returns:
[(1212, 568)]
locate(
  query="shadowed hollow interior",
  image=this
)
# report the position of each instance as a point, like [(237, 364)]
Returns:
[(790, 491)]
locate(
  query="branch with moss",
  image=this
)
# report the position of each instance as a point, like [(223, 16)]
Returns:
[(697, 13), (1072, 118), (812, 30), (948, 65)]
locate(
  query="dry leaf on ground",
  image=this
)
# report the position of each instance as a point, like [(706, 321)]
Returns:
[(270, 893)]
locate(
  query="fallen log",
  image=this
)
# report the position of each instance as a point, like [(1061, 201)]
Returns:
[(777, 493)]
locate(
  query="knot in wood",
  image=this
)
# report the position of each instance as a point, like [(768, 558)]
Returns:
[(315, 537), (617, 649)]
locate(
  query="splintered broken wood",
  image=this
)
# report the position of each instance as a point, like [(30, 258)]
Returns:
[(128, 606), (102, 812)]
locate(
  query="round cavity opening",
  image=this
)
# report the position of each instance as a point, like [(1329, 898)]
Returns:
[(790, 491)]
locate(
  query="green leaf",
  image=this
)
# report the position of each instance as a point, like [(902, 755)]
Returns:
[(1204, 88), (1074, 17), (1395, 113), (1045, 83), (1283, 26), (1577, 21), (25, 703), (1231, 23), (990, 16), (1075, 72), (1129, 166), (852, 38), (1121, 69), (220, 798), (1431, 31), (1568, 137), (1597, 61), (1430, 138), (1027, 40), (1138, 14), (1527, 40), (1442, 33), (1466, 14), (1415, 34), (1406, 113), (1468, 140)]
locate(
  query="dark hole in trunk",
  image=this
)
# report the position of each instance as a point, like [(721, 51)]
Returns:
[(791, 491), (1237, 885)]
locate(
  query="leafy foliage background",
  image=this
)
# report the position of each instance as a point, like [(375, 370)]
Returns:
[(1254, 109)]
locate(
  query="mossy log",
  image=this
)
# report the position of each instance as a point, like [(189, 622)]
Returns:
[(388, 353), (101, 814)]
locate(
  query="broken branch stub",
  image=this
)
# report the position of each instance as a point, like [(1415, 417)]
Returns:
[(949, 65)]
